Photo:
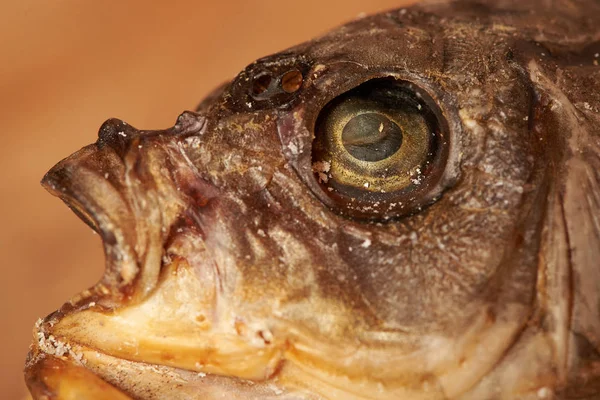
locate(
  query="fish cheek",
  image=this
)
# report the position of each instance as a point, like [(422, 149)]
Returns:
[(471, 253)]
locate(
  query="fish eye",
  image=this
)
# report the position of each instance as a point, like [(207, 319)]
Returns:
[(380, 149)]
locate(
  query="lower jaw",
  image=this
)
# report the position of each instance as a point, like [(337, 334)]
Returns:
[(143, 380), (84, 373), (138, 350), (297, 376), (148, 379), (165, 365)]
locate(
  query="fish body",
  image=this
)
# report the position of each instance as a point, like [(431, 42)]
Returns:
[(407, 207)]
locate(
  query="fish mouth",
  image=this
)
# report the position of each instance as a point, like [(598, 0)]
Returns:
[(131, 187), (159, 301), (100, 188)]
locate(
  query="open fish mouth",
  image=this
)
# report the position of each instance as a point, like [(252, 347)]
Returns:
[(122, 188), (159, 301)]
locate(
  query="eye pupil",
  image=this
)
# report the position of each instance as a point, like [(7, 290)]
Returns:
[(371, 137)]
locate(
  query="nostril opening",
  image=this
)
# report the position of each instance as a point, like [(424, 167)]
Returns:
[(261, 83)]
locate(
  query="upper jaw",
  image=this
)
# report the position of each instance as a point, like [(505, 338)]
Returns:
[(128, 188)]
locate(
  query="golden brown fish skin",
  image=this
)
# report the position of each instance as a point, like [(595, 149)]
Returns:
[(491, 291)]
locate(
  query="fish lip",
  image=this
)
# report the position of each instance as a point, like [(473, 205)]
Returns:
[(77, 181), (119, 192), (53, 365), (131, 187), (56, 182)]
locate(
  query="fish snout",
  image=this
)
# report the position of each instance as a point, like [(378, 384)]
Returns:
[(131, 186)]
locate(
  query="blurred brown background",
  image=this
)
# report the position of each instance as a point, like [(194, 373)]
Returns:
[(66, 66)]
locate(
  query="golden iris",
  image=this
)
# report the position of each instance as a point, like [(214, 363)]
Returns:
[(377, 137)]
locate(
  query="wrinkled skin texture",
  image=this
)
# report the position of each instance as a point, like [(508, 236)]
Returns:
[(230, 272)]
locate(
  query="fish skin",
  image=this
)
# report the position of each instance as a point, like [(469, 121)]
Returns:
[(490, 291)]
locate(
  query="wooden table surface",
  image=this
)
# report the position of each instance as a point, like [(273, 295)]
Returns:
[(68, 65)]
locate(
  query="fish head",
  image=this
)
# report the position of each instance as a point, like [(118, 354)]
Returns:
[(384, 212)]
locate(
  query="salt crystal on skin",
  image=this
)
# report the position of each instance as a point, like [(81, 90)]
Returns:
[(544, 393), (293, 148)]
